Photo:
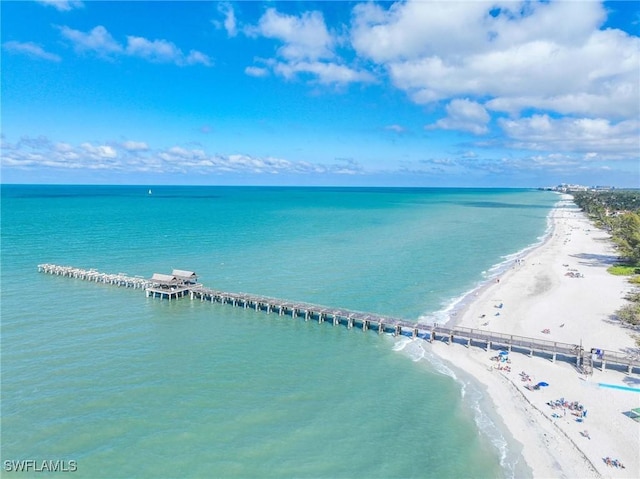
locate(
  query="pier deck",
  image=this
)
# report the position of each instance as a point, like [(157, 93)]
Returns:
[(575, 353)]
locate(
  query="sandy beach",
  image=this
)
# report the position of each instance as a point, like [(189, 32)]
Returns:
[(559, 291)]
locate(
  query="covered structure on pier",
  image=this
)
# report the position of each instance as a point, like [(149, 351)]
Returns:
[(170, 285), (187, 277), (164, 280)]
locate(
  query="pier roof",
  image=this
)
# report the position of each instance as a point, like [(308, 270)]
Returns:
[(166, 279), (184, 275)]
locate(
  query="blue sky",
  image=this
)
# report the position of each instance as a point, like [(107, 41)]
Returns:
[(416, 93)]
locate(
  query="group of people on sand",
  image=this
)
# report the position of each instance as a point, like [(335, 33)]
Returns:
[(574, 407), (524, 377), (572, 272), (613, 462), (503, 363)]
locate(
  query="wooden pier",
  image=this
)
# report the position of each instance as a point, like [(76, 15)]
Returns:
[(120, 279), (178, 285)]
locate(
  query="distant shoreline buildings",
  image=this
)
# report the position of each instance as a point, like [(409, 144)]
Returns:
[(570, 188)]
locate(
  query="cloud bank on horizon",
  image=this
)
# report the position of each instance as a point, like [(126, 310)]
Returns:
[(433, 93)]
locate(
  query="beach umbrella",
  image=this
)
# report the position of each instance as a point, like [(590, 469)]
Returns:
[(543, 384), (503, 353)]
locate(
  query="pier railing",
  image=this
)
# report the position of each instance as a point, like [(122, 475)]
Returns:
[(365, 321), (120, 279)]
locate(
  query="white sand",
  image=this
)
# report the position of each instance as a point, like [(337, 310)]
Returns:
[(538, 295)]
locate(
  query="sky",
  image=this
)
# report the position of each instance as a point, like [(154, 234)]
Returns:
[(412, 93)]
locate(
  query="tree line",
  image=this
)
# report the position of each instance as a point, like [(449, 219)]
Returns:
[(618, 211)]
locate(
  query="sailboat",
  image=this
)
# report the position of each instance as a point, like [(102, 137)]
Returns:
[(150, 192)]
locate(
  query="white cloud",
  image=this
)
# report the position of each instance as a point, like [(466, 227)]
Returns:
[(468, 154), (160, 51), (305, 37), (31, 49), (519, 56), (99, 152), (465, 115), (229, 23), (135, 145), (415, 29), (325, 73), (34, 153), (196, 57), (395, 128), (180, 159), (471, 165), (579, 135), (66, 152), (62, 5), (308, 49), (63, 147), (418, 29), (163, 51), (256, 71), (100, 41)]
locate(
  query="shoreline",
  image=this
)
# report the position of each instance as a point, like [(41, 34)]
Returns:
[(544, 296), (458, 306)]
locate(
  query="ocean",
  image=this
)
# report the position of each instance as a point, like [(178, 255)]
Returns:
[(129, 386)]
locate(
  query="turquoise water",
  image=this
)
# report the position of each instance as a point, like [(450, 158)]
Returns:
[(130, 386)]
